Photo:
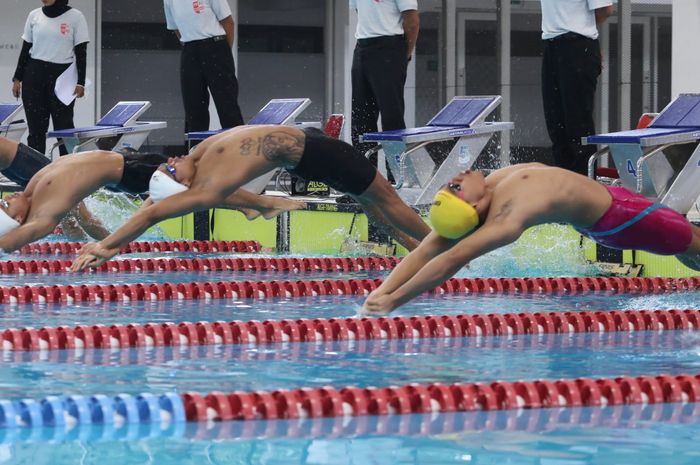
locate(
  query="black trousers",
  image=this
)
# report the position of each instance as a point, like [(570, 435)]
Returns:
[(571, 65), (40, 102), (378, 78), (207, 66)]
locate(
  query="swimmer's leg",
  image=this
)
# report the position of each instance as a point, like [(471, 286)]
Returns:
[(8, 150), (249, 213), (691, 257), (72, 230), (254, 205), (89, 222), (393, 212), (376, 217)]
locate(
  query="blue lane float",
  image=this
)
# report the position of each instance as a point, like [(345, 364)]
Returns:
[(110, 412)]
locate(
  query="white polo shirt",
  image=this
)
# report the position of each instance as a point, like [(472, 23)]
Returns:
[(376, 18), (53, 39), (562, 16), (196, 19)]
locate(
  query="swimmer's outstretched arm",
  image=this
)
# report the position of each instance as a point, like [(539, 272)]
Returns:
[(432, 246), (487, 238), (28, 232), (177, 205)]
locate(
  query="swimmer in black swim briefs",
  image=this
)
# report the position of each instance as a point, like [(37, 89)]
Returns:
[(335, 163), (57, 189), (223, 163), (21, 164)]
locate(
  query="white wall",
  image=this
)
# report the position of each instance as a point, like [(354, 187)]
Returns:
[(686, 39), (14, 15)]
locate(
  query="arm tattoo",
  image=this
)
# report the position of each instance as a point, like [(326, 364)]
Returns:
[(278, 146), (505, 210)]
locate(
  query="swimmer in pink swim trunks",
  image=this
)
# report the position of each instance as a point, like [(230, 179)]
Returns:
[(474, 215)]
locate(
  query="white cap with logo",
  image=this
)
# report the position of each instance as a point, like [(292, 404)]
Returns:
[(163, 186)]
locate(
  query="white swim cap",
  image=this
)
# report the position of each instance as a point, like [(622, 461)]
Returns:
[(163, 186), (7, 223)]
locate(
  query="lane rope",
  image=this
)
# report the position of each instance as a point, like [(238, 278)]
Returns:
[(283, 264), (370, 347), (301, 288), (323, 330), (425, 425), (68, 411), (440, 398), (60, 248)]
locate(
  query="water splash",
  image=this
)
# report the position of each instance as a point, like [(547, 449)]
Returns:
[(114, 209), (535, 258)]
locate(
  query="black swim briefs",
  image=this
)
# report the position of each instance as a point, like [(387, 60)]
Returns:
[(26, 164), (335, 163), (138, 169)]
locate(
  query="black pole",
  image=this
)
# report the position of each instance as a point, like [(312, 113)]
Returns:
[(201, 226)]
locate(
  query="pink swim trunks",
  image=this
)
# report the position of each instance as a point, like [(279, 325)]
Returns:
[(635, 222)]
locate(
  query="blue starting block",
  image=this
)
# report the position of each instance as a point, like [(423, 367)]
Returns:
[(9, 128), (643, 157), (463, 120), (276, 111), (121, 123)]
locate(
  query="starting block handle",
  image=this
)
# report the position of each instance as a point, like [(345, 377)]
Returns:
[(594, 159)]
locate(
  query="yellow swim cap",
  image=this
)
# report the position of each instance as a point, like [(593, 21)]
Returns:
[(451, 216)]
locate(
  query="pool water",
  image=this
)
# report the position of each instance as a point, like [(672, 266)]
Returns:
[(348, 363), (641, 435)]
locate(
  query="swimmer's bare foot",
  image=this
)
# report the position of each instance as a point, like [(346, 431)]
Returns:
[(249, 213), (280, 205)]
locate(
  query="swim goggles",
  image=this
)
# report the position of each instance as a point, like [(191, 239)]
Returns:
[(171, 170)]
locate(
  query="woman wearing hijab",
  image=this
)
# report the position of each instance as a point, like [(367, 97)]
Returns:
[(54, 36)]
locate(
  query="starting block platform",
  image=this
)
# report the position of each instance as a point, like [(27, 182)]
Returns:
[(118, 129), (463, 120), (8, 114), (661, 161), (276, 111)]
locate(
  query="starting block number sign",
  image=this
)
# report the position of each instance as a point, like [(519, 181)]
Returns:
[(631, 169)]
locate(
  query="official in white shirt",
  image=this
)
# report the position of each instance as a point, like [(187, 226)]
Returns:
[(54, 36), (571, 64), (206, 30), (386, 35)]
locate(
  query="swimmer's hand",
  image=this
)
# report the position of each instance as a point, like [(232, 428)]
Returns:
[(378, 304), (92, 256)]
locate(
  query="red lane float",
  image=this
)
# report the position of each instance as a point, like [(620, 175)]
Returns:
[(344, 329), (289, 289), (434, 398), (324, 264), (60, 248)]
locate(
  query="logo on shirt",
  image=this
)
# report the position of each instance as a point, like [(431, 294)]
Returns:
[(197, 6), (65, 28)]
